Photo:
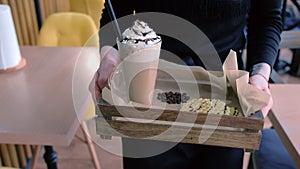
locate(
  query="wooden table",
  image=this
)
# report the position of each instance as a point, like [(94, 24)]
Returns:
[(285, 116), (36, 104)]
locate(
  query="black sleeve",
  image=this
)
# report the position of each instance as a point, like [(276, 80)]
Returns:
[(264, 29)]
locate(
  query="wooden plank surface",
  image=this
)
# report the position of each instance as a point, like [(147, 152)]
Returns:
[(0, 159), (46, 8), (5, 1), (35, 29), (185, 117), (24, 27), (5, 155), (13, 155), (36, 151), (62, 5), (22, 156), (17, 21), (54, 6), (43, 10), (49, 7), (247, 139), (28, 151), (25, 21), (29, 22)]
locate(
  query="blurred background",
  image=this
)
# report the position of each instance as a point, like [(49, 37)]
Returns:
[(29, 15)]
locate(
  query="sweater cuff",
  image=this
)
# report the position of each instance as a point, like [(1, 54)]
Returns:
[(262, 69)]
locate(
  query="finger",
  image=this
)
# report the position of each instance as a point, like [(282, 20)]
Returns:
[(105, 74), (97, 87), (97, 94), (110, 53), (102, 80), (259, 82), (267, 90), (267, 108)]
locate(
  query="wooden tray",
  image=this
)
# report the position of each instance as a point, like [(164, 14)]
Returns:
[(172, 125)]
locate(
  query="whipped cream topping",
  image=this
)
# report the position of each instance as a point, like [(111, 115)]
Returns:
[(140, 34)]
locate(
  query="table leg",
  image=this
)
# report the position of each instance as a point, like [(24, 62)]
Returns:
[(50, 157)]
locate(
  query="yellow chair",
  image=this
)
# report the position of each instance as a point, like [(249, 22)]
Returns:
[(72, 29), (67, 29), (90, 7)]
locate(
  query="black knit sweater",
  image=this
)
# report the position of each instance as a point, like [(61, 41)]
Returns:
[(223, 21)]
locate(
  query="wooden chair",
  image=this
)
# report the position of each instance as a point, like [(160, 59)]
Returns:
[(72, 29)]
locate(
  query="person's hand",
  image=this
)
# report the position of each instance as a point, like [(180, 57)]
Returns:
[(109, 60), (261, 83)]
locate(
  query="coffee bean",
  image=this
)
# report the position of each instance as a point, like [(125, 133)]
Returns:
[(173, 97)]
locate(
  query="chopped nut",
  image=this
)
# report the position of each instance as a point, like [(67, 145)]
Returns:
[(211, 106)]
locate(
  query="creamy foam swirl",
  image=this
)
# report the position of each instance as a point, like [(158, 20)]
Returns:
[(140, 34)]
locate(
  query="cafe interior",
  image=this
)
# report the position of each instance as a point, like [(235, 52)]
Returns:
[(40, 104)]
